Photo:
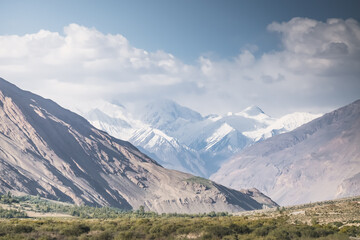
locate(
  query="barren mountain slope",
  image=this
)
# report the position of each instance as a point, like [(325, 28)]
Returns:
[(50, 151), (317, 161)]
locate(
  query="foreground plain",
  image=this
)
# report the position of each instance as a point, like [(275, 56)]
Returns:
[(324, 220)]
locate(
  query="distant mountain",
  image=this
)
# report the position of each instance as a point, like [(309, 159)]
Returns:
[(180, 138), (281, 125), (52, 152), (168, 116), (168, 151), (317, 161)]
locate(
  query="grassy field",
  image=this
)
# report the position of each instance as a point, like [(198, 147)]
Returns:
[(54, 220)]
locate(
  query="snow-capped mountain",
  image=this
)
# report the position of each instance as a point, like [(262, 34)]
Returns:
[(318, 161), (168, 151), (168, 116), (116, 126), (281, 125), (180, 138)]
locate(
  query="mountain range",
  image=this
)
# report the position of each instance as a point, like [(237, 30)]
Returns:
[(182, 139), (317, 161), (52, 152)]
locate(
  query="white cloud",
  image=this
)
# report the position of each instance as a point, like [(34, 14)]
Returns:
[(317, 69), (85, 64)]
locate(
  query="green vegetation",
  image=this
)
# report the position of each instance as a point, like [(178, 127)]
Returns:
[(202, 181), (11, 213), (8, 198), (229, 227), (39, 205), (84, 222)]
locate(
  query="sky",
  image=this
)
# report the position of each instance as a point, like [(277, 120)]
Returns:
[(213, 56)]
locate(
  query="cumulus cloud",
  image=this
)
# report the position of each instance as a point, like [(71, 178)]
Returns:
[(85, 64), (316, 69)]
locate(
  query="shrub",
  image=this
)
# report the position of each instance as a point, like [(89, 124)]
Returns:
[(262, 231), (106, 235), (5, 213), (337, 224), (75, 230), (352, 231), (280, 234), (239, 228), (218, 231), (22, 229)]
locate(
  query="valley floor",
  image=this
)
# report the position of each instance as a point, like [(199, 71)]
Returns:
[(338, 219)]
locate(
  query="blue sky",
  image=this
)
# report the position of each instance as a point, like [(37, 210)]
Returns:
[(185, 28), (203, 54)]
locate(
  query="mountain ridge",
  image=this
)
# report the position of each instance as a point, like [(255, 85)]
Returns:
[(320, 159)]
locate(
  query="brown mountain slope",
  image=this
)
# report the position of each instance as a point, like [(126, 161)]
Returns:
[(317, 161), (50, 151)]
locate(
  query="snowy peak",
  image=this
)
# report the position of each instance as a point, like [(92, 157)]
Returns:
[(168, 151), (284, 124), (119, 127), (152, 137), (163, 113), (291, 121), (252, 111), (219, 134), (97, 115), (255, 113), (173, 110)]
